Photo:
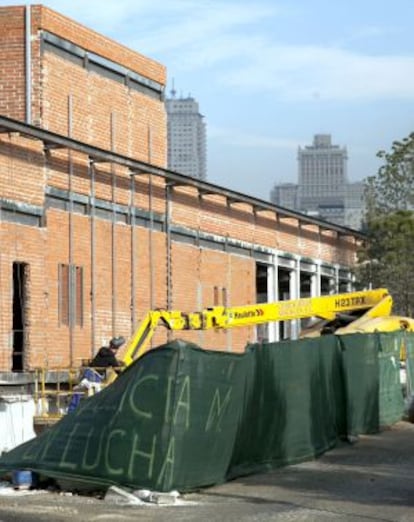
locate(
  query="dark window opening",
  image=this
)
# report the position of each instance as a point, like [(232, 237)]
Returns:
[(305, 285), (327, 285), (305, 291), (20, 276), (261, 283), (343, 287), (284, 294), (262, 330)]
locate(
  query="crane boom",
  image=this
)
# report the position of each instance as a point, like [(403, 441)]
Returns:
[(373, 303)]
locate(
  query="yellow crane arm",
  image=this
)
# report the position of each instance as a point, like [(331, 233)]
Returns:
[(376, 303)]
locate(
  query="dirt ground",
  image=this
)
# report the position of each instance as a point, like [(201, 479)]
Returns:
[(371, 480)]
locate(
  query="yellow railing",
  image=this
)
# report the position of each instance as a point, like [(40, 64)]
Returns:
[(54, 391)]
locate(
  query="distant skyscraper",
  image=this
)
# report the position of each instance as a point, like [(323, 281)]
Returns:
[(323, 189), (285, 195), (354, 204), (323, 179), (186, 137)]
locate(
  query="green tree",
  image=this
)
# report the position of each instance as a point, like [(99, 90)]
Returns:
[(387, 257), (392, 188)]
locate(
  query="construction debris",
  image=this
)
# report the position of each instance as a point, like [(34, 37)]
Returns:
[(120, 496)]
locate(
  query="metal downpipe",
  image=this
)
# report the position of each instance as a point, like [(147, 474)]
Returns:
[(28, 64)]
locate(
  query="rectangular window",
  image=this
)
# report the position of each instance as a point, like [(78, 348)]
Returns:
[(224, 296), (216, 296), (220, 294), (78, 295), (19, 310), (70, 282), (63, 277)]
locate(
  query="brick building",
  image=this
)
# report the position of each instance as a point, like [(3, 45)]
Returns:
[(95, 230)]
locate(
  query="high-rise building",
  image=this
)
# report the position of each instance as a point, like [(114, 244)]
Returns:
[(285, 195), (323, 178), (187, 150), (354, 204), (323, 189)]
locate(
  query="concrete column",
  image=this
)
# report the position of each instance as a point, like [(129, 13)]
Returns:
[(316, 280), (273, 295), (336, 280), (294, 291)]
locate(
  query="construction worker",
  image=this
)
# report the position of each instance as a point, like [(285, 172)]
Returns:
[(93, 376), (106, 356)]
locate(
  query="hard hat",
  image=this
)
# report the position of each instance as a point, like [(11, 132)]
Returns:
[(117, 342)]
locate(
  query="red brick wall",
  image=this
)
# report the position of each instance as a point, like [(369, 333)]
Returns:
[(96, 101), (196, 272), (106, 114), (54, 22), (12, 73), (24, 244), (21, 170)]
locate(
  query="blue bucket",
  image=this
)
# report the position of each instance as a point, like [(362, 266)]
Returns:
[(23, 479)]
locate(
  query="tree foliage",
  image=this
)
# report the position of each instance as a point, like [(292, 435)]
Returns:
[(392, 188), (387, 257)]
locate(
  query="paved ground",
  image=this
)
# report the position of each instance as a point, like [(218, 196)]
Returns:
[(372, 480)]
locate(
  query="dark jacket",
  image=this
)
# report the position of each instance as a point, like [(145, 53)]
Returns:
[(105, 358)]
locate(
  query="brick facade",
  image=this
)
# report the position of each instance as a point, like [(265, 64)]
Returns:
[(57, 209)]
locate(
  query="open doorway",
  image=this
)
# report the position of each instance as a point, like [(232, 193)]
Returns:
[(284, 294), (19, 314), (261, 283), (262, 330), (327, 285)]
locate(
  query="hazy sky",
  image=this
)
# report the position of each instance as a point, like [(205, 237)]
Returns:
[(270, 74)]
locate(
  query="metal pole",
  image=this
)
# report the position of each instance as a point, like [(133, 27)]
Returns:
[(276, 296), (168, 203), (113, 231), (151, 223), (133, 257), (92, 214), (168, 210), (72, 283), (28, 63)]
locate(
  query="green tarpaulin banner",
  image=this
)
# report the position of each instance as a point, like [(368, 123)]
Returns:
[(361, 380), (167, 422), (182, 417), (409, 362), (292, 404), (391, 398)]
